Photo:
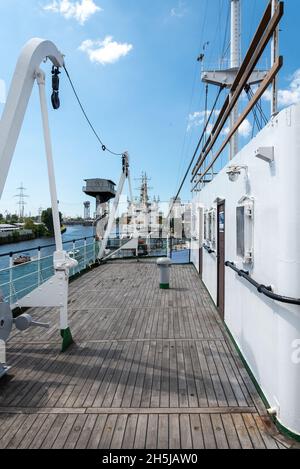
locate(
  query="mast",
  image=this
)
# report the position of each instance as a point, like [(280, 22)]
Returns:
[(225, 77), (274, 55), (235, 62)]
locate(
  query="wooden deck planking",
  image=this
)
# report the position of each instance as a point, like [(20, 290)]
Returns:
[(150, 369)]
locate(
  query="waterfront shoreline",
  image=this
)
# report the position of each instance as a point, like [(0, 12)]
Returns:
[(72, 233), (11, 239)]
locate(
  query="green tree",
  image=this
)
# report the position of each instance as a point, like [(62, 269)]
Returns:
[(40, 230), (29, 224), (47, 219), (15, 235), (14, 219)]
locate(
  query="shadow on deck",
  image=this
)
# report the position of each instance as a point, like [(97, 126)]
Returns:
[(150, 369)]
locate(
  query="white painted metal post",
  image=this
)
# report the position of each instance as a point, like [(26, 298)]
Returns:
[(84, 250), (59, 255), (40, 76), (133, 219), (10, 278), (64, 321), (112, 216), (274, 55), (74, 255), (39, 266), (235, 61), (33, 53), (130, 187), (53, 293), (113, 211), (94, 249), (235, 50)]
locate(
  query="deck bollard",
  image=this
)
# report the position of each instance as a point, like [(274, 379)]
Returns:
[(164, 264)]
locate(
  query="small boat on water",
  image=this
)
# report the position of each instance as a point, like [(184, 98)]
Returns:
[(74, 253), (23, 259)]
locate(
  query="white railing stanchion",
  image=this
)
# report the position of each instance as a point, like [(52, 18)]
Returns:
[(10, 277), (168, 246), (84, 254), (39, 266), (74, 255)]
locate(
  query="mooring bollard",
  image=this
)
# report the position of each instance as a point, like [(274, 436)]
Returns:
[(164, 264)]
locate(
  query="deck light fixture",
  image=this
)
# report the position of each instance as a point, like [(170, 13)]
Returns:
[(234, 172)]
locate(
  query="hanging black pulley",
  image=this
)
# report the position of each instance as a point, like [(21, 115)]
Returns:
[(125, 165), (55, 88)]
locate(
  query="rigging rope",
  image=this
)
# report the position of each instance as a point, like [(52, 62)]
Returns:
[(104, 147), (187, 142), (257, 107), (196, 150), (205, 111)]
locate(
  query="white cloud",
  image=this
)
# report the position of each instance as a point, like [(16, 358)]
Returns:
[(179, 11), (106, 51), (289, 96), (245, 129), (197, 119), (2, 92), (225, 131), (80, 10)]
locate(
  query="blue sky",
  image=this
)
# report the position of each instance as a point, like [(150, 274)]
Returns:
[(134, 65)]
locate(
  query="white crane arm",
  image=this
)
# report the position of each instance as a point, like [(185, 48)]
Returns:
[(32, 54)]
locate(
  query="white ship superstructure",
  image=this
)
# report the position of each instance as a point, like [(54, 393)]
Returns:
[(246, 244), (207, 357), (142, 217)]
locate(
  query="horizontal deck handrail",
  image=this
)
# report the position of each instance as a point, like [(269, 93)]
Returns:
[(263, 289), (16, 282), (38, 248), (208, 249)]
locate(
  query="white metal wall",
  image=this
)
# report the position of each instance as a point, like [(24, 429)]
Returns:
[(266, 331)]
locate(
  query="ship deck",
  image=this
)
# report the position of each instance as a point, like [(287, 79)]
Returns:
[(150, 369)]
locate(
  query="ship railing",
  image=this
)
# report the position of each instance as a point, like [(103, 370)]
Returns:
[(152, 247), (17, 281)]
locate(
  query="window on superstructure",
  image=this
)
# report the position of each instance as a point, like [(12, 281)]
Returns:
[(201, 224), (212, 224), (240, 231), (206, 226), (245, 229), (210, 228)]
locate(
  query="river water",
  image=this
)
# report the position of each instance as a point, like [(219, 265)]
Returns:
[(72, 233), (21, 280)]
